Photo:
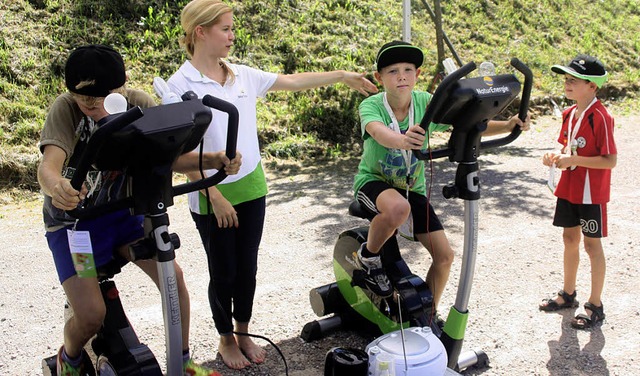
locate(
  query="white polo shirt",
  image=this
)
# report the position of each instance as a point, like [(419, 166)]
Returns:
[(249, 85)]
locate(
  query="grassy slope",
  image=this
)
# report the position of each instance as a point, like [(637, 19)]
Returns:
[(292, 36)]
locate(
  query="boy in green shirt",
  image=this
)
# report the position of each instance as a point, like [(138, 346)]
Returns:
[(390, 182)]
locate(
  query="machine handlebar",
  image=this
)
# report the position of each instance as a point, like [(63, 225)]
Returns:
[(522, 112), (119, 122), (232, 139), (98, 139), (441, 98)]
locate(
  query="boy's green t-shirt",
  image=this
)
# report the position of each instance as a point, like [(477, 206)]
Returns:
[(380, 163)]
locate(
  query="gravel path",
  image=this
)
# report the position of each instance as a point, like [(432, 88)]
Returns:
[(519, 263)]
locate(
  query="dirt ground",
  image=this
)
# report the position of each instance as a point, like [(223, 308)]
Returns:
[(518, 264)]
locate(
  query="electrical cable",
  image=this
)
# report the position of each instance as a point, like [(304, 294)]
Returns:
[(404, 349)]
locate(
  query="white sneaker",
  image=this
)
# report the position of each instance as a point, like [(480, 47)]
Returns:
[(375, 277)]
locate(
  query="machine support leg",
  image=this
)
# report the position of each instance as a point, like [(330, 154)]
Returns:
[(453, 333), (169, 292)]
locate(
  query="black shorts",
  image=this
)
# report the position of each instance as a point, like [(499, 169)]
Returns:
[(422, 223), (591, 217)]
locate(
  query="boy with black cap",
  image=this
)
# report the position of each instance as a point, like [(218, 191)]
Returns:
[(390, 182), (91, 73), (588, 154)]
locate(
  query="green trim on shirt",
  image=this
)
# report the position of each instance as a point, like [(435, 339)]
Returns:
[(250, 187)]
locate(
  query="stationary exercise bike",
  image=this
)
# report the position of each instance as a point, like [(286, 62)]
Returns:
[(145, 144), (466, 104)]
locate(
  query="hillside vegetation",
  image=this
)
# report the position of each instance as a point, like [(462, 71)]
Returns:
[(287, 36)]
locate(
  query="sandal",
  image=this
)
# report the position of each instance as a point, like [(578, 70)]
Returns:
[(551, 305), (582, 321)]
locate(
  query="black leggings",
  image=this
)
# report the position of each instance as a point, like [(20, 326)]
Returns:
[(232, 254)]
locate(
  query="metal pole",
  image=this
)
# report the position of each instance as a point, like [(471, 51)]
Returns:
[(439, 34), (168, 285), (446, 38), (470, 251), (406, 21)]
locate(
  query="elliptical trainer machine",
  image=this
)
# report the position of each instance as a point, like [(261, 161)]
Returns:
[(145, 144), (467, 105)]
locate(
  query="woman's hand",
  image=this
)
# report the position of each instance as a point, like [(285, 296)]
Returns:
[(190, 162), (224, 212), (231, 167), (358, 81)]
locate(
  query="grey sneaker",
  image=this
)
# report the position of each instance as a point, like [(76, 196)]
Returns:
[(375, 278)]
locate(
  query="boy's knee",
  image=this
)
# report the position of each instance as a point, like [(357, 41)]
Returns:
[(399, 212), (593, 246), (404, 208), (179, 273), (443, 257), (90, 319), (571, 237), (182, 285)]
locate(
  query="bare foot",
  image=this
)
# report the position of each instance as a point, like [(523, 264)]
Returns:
[(231, 354), (254, 352)]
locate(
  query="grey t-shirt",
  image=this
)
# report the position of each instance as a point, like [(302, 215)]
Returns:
[(69, 129)]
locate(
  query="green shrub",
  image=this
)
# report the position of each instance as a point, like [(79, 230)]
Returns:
[(289, 36)]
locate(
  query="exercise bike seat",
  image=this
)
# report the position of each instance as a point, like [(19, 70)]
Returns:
[(356, 210), (140, 250), (110, 269)]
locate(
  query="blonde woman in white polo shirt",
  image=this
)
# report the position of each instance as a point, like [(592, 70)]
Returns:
[(231, 221)]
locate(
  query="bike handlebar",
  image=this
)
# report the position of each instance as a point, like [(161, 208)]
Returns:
[(118, 122), (522, 112), (232, 139), (441, 95), (437, 101), (98, 139)]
